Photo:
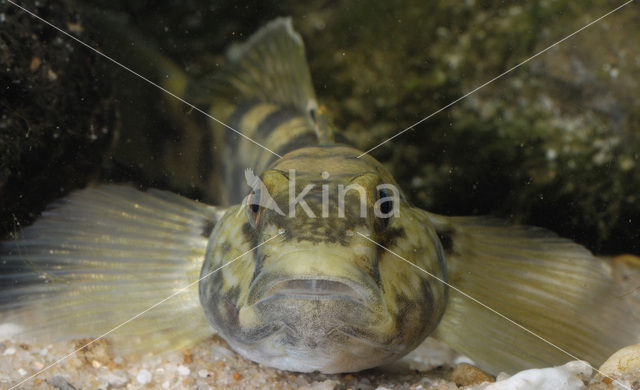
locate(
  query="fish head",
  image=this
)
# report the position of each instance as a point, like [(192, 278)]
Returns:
[(325, 267)]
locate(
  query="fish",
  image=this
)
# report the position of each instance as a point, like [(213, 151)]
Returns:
[(315, 260)]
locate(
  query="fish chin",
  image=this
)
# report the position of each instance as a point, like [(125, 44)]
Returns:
[(330, 357), (309, 334)]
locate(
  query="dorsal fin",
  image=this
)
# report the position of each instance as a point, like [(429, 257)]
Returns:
[(271, 67)]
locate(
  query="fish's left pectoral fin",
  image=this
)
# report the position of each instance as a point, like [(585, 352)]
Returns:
[(110, 258), (523, 297), (626, 277)]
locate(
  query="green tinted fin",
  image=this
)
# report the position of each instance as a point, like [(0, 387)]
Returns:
[(547, 284), (626, 276), (102, 255), (271, 67)]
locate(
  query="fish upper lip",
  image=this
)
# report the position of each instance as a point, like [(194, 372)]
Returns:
[(313, 287), (316, 288)]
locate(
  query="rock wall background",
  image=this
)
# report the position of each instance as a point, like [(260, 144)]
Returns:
[(554, 143)]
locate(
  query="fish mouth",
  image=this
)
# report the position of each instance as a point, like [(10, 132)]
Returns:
[(312, 288)]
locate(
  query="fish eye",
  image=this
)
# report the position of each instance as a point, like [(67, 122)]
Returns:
[(253, 205), (254, 201), (386, 205)]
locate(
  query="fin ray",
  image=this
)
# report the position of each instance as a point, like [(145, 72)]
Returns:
[(555, 288), (271, 66), (102, 255)]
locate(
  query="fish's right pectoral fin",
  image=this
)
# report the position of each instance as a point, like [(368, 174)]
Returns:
[(107, 258), (524, 297)]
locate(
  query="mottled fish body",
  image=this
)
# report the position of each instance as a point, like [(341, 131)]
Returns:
[(325, 283)]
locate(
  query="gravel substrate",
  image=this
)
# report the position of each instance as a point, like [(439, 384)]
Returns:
[(209, 365), (212, 365)]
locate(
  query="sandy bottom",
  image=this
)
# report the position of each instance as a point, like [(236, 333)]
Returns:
[(209, 365)]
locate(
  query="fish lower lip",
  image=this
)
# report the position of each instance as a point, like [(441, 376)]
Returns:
[(366, 340)]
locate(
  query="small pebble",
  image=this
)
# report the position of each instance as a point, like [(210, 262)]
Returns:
[(362, 386), (60, 383), (9, 351), (203, 373), (465, 375), (301, 381), (187, 356), (51, 75), (165, 384), (22, 372), (35, 64), (184, 370), (623, 367), (143, 377)]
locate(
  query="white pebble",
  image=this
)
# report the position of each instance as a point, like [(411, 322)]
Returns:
[(462, 359), (571, 376), (183, 370), (8, 330), (143, 377), (165, 384), (116, 380), (203, 373), (9, 351), (44, 352), (22, 372)]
